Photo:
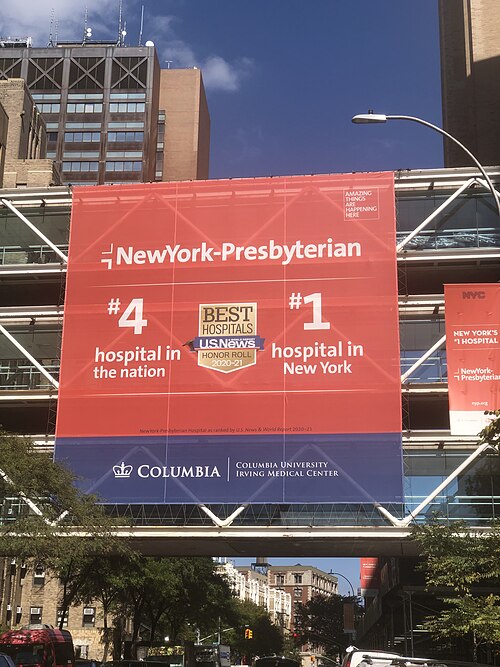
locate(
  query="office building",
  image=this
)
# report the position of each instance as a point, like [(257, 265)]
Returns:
[(470, 68), (101, 106)]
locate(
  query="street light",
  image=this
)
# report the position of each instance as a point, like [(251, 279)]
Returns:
[(337, 574), (382, 118)]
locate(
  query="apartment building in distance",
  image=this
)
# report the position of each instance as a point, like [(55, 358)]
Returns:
[(107, 111), (249, 584), (302, 582), (470, 68)]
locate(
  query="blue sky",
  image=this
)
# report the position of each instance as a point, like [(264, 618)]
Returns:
[(283, 79)]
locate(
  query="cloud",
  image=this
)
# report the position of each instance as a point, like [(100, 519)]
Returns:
[(218, 74), (33, 19)]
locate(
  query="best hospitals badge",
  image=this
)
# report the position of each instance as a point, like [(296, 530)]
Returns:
[(227, 338)]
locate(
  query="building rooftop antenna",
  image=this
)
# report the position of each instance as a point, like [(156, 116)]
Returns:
[(52, 19), (142, 25), (124, 33), (87, 31), (120, 14)]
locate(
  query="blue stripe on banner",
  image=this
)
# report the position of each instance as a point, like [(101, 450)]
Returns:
[(348, 468)]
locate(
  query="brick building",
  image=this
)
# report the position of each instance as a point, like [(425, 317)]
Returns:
[(302, 582), (23, 161), (470, 68)]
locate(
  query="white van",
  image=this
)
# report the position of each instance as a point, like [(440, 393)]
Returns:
[(367, 658)]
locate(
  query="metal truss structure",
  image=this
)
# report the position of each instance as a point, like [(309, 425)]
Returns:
[(222, 522)]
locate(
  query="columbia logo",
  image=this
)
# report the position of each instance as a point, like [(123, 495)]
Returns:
[(122, 470)]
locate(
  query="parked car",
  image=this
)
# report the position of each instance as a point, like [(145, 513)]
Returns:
[(6, 660)]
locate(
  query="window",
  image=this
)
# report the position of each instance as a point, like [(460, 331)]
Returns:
[(126, 124), (297, 592), (88, 617), (82, 126), (84, 107), (126, 136), (280, 579), (48, 107), (74, 155), (115, 154), (39, 575), (52, 126), (80, 166), (70, 137), (127, 107), (35, 615), (45, 96), (127, 96), (60, 617), (297, 578), (51, 155), (123, 166), (51, 136), (84, 96)]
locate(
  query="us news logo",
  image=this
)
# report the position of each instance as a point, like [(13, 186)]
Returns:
[(122, 471)]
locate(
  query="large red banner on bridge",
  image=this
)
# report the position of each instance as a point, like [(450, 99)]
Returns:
[(473, 354), (233, 341)]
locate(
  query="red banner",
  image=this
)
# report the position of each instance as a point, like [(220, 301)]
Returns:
[(473, 354), (369, 576), (237, 329)]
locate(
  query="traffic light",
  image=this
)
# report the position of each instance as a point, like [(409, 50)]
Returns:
[(248, 633)]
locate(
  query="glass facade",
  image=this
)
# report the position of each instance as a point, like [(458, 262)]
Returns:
[(462, 244)]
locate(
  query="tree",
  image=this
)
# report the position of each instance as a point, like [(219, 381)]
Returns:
[(461, 567), (52, 507), (267, 638), (320, 621)]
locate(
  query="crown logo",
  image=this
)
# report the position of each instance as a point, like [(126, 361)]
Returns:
[(122, 471)]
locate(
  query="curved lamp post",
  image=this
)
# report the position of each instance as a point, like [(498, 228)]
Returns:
[(337, 574), (382, 118)]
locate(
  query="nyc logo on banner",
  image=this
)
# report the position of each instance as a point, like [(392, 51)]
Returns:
[(233, 341), (472, 354)]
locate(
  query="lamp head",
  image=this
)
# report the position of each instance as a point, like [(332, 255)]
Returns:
[(369, 118)]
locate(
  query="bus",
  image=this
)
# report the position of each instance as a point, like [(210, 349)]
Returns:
[(45, 647)]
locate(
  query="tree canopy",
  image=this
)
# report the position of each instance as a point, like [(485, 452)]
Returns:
[(40, 505), (320, 622), (461, 568)]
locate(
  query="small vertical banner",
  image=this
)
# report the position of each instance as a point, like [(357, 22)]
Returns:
[(473, 354), (349, 618), (369, 577)]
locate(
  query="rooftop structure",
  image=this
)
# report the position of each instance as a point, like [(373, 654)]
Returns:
[(101, 105)]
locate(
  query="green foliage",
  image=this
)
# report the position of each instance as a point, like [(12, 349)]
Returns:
[(320, 622), (461, 567), (166, 595), (491, 433), (267, 638), (468, 615), (26, 472)]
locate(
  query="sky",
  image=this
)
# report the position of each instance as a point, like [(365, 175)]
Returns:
[(283, 79)]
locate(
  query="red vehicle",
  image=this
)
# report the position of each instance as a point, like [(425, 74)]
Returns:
[(39, 648)]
